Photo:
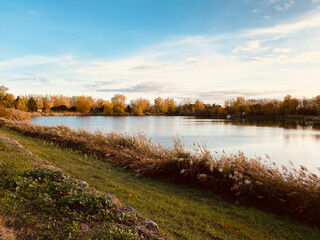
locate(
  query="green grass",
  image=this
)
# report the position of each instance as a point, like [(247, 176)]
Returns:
[(41, 203), (181, 212)]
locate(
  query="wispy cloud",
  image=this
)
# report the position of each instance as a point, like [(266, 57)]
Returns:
[(285, 6), (30, 77), (307, 22), (32, 60), (250, 46)]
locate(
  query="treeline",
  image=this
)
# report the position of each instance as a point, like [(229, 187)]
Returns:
[(160, 106)]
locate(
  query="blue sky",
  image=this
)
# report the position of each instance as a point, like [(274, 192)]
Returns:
[(209, 49)]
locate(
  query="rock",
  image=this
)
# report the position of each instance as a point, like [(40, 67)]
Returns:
[(131, 209), (54, 168), (79, 181), (115, 201), (151, 223)]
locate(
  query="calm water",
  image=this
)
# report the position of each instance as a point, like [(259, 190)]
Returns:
[(282, 141)]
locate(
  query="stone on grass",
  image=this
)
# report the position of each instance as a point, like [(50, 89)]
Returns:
[(115, 201), (131, 209), (54, 168), (151, 223), (79, 181)]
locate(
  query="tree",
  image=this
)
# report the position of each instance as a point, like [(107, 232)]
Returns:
[(290, 105), (199, 106), (32, 105), (6, 99), (119, 103), (140, 106), (45, 104), (171, 105), (108, 108), (21, 103), (84, 104), (98, 105), (3, 91), (157, 104)]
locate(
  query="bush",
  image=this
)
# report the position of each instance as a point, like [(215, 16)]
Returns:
[(14, 114), (61, 108)]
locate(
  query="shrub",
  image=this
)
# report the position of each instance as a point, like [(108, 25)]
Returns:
[(14, 114)]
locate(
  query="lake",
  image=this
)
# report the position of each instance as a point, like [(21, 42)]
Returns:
[(282, 141)]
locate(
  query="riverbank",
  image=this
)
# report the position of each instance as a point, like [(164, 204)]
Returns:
[(39, 201), (181, 212), (291, 192)]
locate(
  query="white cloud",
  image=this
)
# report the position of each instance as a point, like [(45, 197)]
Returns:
[(250, 46)]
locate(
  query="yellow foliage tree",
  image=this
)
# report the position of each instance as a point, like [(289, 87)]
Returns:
[(84, 104), (108, 108), (140, 106), (199, 106), (119, 103)]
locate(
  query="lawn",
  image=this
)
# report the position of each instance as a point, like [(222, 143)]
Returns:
[(181, 212)]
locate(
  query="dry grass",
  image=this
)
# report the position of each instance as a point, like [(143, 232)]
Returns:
[(56, 114), (11, 113), (292, 192)]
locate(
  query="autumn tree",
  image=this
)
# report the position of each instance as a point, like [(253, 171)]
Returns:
[(290, 105), (6, 99), (119, 103), (58, 100), (199, 106), (21, 103), (45, 104), (171, 105), (108, 108), (140, 106), (84, 103), (157, 104), (98, 105)]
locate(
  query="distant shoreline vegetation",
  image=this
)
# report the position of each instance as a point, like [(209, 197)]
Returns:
[(59, 105)]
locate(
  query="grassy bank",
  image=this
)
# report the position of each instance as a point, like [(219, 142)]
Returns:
[(37, 202), (291, 192), (181, 212)]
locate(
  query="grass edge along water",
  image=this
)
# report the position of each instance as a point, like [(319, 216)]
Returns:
[(291, 192)]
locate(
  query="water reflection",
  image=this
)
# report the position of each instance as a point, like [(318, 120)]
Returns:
[(287, 124), (282, 140)]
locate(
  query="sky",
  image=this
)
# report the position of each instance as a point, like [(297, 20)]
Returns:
[(211, 50)]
